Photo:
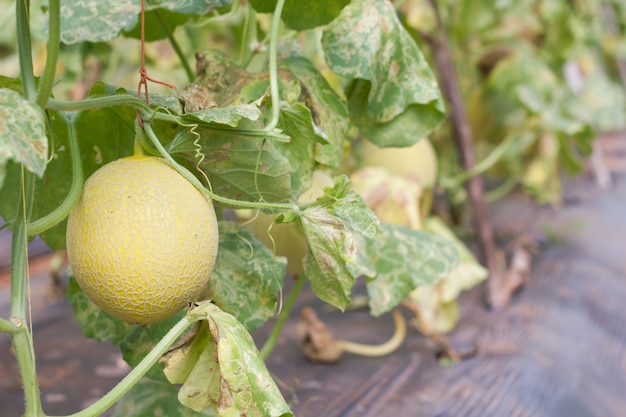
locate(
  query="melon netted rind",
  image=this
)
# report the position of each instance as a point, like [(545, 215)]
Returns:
[(142, 240)]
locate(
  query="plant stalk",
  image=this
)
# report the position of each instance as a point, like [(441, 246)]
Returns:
[(139, 371), (57, 215), (54, 40), (271, 341), (463, 137), (22, 340), (179, 52), (9, 327), (274, 93), (24, 49)]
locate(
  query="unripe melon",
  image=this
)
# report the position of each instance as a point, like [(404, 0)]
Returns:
[(418, 161), (142, 240), (289, 239)]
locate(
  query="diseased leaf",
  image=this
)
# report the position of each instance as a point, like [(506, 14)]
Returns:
[(22, 133), (303, 14), (295, 121), (368, 42), (149, 398), (93, 322), (96, 21), (406, 259), (334, 227), (238, 167), (230, 116), (222, 369), (247, 278), (329, 111), (414, 123)]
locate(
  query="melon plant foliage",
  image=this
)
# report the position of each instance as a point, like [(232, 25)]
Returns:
[(251, 135), (260, 102)]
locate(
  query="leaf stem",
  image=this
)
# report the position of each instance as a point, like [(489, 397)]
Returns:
[(271, 341), (193, 180), (274, 93), (140, 370), (150, 114), (483, 165), (24, 49), (384, 348), (98, 103), (9, 327), (57, 215), (22, 340), (179, 52), (54, 39)]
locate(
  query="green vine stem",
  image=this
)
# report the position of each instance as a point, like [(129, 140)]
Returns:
[(274, 93), (179, 52), (129, 381), (98, 103), (383, 349), (486, 163), (22, 340), (54, 35), (24, 49), (9, 327), (61, 212), (271, 341), (150, 114), (192, 179)]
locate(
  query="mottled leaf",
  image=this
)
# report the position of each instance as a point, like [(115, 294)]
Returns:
[(230, 116), (22, 133), (368, 42), (149, 398), (96, 21), (93, 322), (415, 122), (295, 121), (329, 111), (303, 14), (104, 135), (247, 277), (238, 167), (222, 368), (603, 103), (407, 259), (334, 227)]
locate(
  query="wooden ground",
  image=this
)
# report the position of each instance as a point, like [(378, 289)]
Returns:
[(558, 350)]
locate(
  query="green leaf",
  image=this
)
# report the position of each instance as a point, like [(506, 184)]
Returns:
[(96, 21), (14, 84), (22, 133), (155, 20), (334, 226), (149, 398), (404, 130), (247, 278), (238, 167), (303, 14), (368, 42), (407, 259), (93, 322), (295, 121), (222, 367), (329, 111)]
